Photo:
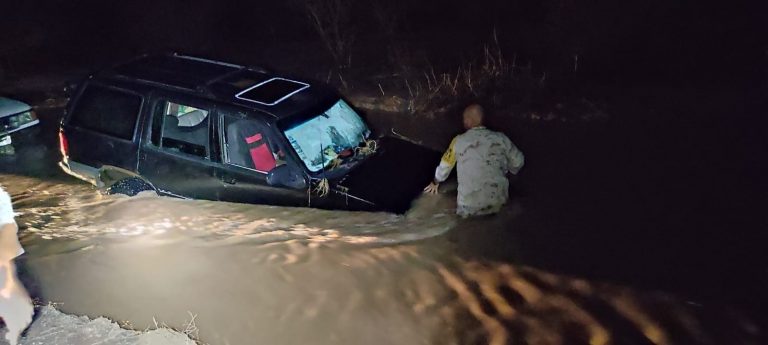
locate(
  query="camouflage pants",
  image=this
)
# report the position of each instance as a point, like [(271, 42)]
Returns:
[(466, 211), (481, 200)]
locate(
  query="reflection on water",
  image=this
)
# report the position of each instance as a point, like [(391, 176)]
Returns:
[(271, 275)]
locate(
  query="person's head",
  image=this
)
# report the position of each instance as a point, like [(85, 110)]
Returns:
[(473, 116)]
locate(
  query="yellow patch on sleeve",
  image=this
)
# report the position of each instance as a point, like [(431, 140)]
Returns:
[(449, 157)]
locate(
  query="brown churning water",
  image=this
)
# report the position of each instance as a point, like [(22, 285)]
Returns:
[(249, 274)]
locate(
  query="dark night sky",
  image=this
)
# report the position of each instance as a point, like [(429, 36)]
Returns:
[(654, 40)]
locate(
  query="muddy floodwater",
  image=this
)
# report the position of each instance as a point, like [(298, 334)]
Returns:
[(270, 275), (251, 274)]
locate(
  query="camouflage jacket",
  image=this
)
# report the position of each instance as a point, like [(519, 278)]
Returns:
[(483, 157)]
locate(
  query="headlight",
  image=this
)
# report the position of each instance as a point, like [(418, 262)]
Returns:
[(23, 118), (10, 123)]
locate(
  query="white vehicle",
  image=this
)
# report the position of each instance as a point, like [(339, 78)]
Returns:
[(14, 116)]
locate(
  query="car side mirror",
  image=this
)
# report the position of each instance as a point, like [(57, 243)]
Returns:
[(284, 176)]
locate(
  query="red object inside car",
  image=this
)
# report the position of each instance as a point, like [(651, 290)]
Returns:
[(261, 155)]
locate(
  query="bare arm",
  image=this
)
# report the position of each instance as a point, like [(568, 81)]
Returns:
[(9, 239)]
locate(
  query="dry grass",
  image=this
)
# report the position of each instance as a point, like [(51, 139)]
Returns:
[(189, 329), (482, 77)]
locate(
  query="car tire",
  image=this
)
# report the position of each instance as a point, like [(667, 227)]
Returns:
[(129, 186)]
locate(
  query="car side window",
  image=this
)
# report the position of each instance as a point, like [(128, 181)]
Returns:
[(248, 145), (108, 111), (182, 128)]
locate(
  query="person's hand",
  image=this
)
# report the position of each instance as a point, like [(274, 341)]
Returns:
[(431, 188)]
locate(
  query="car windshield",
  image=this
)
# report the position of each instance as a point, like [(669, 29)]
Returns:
[(321, 139)]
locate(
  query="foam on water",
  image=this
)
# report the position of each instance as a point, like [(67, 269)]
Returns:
[(276, 275)]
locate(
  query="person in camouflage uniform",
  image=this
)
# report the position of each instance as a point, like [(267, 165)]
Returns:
[(482, 158)]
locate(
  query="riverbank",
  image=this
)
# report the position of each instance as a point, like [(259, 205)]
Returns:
[(54, 327)]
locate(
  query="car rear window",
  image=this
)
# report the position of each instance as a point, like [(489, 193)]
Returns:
[(107, 111)]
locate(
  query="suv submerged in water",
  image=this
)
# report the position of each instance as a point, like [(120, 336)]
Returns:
[(196, 128)]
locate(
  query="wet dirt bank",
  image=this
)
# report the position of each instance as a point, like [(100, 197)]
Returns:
[(54, 327)]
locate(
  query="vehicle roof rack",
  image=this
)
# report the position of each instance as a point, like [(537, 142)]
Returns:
[(199, 59), (176, 71)]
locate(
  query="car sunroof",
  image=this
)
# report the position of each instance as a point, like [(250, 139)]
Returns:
[(272, 91)]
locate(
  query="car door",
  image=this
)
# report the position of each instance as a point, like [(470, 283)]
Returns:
[(178, 155), (101, 126), (250, 150)]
